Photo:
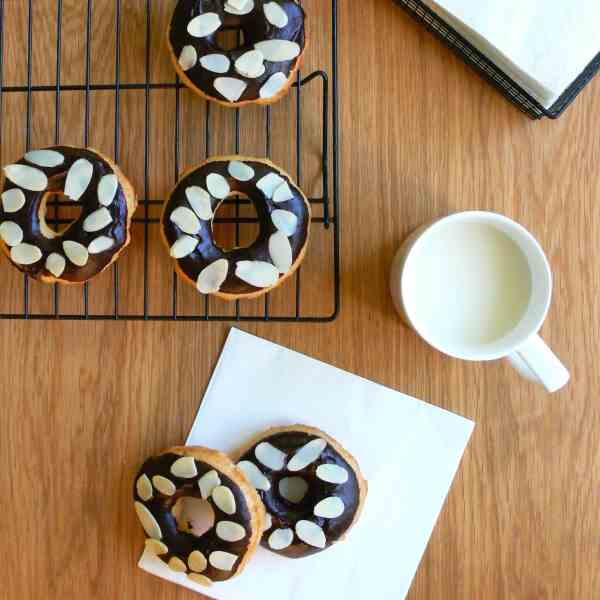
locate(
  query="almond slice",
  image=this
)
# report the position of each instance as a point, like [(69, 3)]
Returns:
[(56, 264), (268, 522), (184, 246), (217, 186), (250, 64), (255, 475), (240, 170), (239, 7), (229, 531), (273, 85), (177, 565), (163, 485), (13, 200), (216, 63), (185, 218), (25, 254), (281, 539), (148, 521), (278, 50), (307, 454), (76, 253), (199, 200), (11, 233), (78, 179), (107, 189), (101, 244), (257, 273), (332, 474), (271, 457), (199, 579), (98, 220), (184, 467), (224, 499), (283, 193), (26, 177), (188, 58), (310, 533), (223, 561), (156, 547), (45, 158), (275, 15), (211, 278), (207, 483), (280, 251), (197, 561), (285, 221), (230, 88), (330, 508), (143, 487), (269, 183), (204, 25)]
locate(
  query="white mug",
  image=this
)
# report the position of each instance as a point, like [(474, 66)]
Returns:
[(477, 286)]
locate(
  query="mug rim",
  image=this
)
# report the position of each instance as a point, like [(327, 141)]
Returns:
[(491, 218)]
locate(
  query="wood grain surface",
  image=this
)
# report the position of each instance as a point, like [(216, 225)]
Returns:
[(84, 403)]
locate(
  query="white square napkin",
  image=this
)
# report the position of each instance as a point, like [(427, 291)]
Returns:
[(408, 450), (544, 45)]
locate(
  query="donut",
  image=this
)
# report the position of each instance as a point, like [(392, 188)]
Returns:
[(85, 247), (284, 219), (260, 70), (177, 494), (312, 488)]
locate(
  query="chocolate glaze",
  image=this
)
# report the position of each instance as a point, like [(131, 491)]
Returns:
[(256, 28), (181, 544), (286, 514), (28, 217), (207, 251)]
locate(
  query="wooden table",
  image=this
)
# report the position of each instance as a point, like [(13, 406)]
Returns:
[(84, 403)]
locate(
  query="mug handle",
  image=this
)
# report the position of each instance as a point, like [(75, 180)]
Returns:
[(535, 361)]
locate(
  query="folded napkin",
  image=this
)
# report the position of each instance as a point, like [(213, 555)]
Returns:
[(408, 450), (544, 45)]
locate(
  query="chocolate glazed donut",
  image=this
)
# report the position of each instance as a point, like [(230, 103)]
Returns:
[(312, 488), (209, 551), (284, 219), (89, 244), (260, 70)]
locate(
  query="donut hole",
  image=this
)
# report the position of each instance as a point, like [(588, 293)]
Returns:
[(227, 215), (293, 489), (57, 213), (193, 515), (230, 38)]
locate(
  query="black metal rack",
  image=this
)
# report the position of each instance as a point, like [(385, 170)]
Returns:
[(203, 311), (489, 71)]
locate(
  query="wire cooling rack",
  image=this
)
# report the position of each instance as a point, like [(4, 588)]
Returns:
[(182, 305)]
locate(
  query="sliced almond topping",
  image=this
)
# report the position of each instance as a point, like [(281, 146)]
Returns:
[(156, 547), (200, 579), (204, 25), (280, 251), (184, 467), (257, 273), (275, 15), (45, 158), (26, 177), (223, 561), (100, 244), (217, 186), (239, 7), (11, 233), (188, 58), (163, 485), (149, 523), (76, 253), (143, 486), (283, 193), (184, 246), (78, 179), (25, 254), (207, 483), (269, 183), (280, 539), (230, 88), (211, 278), (271, 457), (285, 221), (224, 499), (268, 522), (107, 189), (185, 218), (278, 50), (240, 170), (56, 264), (97, 220), (177, 565), (332, 474), (197, 561), (199, 200), (216, 63), (250, 64), (310, 533), (273, 85), (293, 489), (307, 454), (229, 531), (330, 508), (13, 200), (255, 475)]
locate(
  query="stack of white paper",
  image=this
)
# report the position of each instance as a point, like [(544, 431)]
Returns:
[(543, 45)]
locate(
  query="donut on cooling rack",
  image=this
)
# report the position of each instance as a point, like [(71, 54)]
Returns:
[(201, 515), (260, 70), (311, 487), (284, 219), (89, 244)]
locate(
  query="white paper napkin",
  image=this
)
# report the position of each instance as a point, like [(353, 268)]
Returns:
[(408, 450), (543, 44)]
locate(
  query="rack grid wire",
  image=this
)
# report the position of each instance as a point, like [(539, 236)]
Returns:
[(329, 222)]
